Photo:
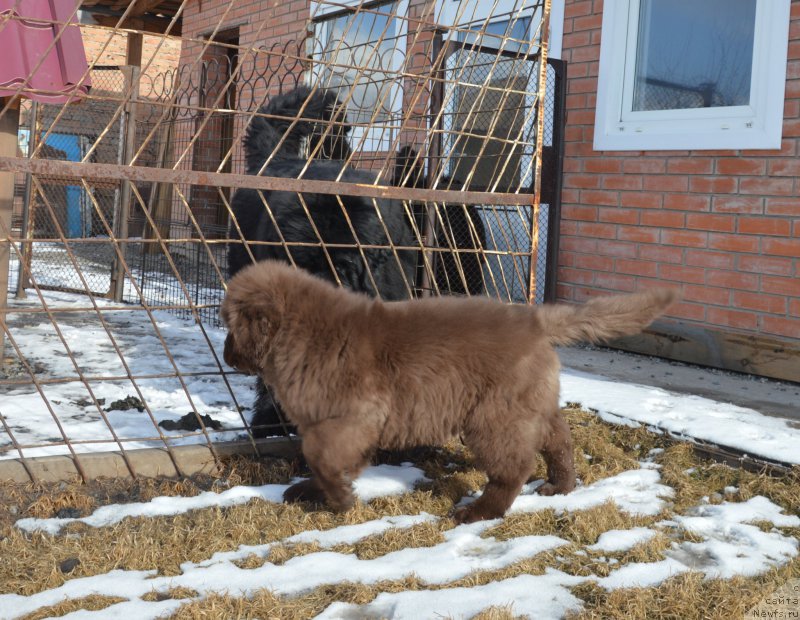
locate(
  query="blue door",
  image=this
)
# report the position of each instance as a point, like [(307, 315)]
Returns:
[(70, 145)]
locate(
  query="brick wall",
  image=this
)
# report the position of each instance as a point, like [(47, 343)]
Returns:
[(722, 225)]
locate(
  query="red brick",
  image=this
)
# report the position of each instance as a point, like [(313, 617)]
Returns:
[(706, 258), (622, 181), (617, 249), (707, 294), (598, 231), (732, 242), (780, 286), (711, 222), (587, 22), (639, 234), (594, 262), (687, 202), (783, 206), (574, 9), (712, 185), (690, 165), (732, 318), (688, 311), (599, 197), (740, 166), (766, 265), (679, 273), (666, 219), (582, 85), (603, 165), (661, 253), (644, 165), (686, 238), (577, 244), (582, 181), (637, 267), (767, 186), (575, 276), (780, 326), (615, 282), (666, 183), (642, 200), (784, 167), (578, 212), (738, 204), (782, 247), (732, 279), (759, 302), (618, 216), (764, 226)]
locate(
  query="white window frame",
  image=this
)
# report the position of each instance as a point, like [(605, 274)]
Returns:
[(755, 126), (451, 13), (370, 139)]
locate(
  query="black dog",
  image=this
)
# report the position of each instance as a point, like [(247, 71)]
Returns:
[(289, 120), (457, 227)]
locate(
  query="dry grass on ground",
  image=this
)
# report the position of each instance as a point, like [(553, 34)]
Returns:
[(35, 562)]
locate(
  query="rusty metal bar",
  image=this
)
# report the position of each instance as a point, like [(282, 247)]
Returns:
[(75, 170)]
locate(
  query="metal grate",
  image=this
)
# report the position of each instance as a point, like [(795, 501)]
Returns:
[(430, 167)]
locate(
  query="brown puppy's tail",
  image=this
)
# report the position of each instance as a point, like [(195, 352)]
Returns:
[(603, 318)]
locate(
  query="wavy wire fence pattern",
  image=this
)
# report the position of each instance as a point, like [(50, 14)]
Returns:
[(122, 213)]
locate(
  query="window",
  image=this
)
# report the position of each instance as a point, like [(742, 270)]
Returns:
[(692, 74), (360, 54)]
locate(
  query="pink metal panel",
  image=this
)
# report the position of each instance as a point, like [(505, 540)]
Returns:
[(30, 63)]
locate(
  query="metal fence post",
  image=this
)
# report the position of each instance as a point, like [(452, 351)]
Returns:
[(121, 217), (9, 126), (26, 234)]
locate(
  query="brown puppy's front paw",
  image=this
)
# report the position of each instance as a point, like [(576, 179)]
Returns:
[(473, 513), (548, 488), (304, 491), (343, 504)]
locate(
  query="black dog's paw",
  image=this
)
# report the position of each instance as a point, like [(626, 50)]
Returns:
[(304, 491)]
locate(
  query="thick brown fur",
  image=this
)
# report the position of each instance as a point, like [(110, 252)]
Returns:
[(356, 374)]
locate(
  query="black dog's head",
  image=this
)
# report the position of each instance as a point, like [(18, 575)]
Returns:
[(329, 138)]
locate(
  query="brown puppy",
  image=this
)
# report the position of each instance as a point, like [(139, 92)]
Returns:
[(355, 374)]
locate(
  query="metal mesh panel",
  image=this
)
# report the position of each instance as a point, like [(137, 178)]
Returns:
[(416, 171)]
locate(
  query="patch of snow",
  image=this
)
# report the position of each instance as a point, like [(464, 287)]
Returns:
[(622, 540), (636, 491), (684, 414), (381, 480), (524, 595)]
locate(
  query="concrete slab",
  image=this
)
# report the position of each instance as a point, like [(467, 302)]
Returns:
[(767, 396)]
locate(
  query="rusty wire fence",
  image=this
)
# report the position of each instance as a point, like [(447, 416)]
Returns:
[(431, 169)]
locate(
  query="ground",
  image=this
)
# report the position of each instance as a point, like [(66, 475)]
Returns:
[(651, 532)]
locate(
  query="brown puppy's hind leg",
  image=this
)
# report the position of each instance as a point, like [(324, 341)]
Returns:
[(507, 453), (557, 453)]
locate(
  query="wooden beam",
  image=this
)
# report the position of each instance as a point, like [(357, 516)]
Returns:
[(9, 126), (133, 53), (752, 354)]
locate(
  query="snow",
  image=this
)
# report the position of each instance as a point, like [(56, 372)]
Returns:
[(719, 539), (687, 415), (127, 343), (729, 545), (622, 540), (377, 481), (523, 595)]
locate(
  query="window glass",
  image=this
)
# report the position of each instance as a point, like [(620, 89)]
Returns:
[(693, 54), (358, 54)]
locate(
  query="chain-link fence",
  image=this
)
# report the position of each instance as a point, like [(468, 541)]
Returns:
[(385, 147)]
